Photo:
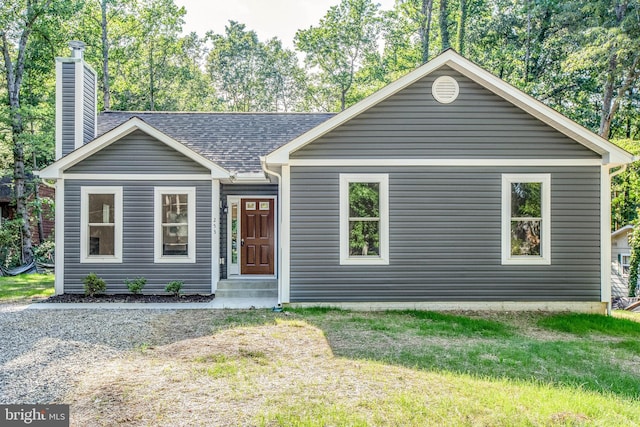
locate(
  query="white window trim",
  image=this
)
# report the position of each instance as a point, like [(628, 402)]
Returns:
[(545, 257), (621, 265), (345, 258), (190, 258), (84, 225)]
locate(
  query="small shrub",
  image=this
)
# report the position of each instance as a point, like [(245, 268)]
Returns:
[(174, 287), (10, 243), (94, 285), (135, 286), (45, 251)]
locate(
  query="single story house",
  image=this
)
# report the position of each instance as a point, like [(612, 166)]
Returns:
[(446, 189)]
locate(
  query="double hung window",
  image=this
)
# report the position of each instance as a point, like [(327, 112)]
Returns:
[(175, 224), (364, 219), (101, 224), (526, 219)]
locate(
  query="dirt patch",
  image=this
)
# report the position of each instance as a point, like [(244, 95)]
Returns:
[(232, 378), (285, 373), (204, 381), (127, 298)]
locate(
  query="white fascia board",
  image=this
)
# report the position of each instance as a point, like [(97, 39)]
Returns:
[(537, 109), (55, 170), (86, 64), (136, 177), (249, 177), (622, 230), (610, 152), (445, 162)]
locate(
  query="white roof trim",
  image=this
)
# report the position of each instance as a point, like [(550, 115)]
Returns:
[(622, 230), (611, 153), (248, 177), (56, 170)]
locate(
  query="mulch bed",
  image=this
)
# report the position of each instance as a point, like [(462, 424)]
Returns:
[(80, 298)]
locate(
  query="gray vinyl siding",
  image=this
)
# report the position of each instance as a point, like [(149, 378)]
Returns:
[(411, 124), (89, 97), (238, 190), (138, 153), (68, 107), (445, 238), (138, 240)]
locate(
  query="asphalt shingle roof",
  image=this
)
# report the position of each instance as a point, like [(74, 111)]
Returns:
[(234, 141)]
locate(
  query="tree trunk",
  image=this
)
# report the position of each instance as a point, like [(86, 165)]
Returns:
[(36, 196), (14, 73), (106, 88), (462, 26), (527, 55), (425, 28), (444, 24), (610, 99), (607, 98), (19, 181), (151, 82)]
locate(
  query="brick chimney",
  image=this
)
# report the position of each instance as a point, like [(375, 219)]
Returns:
[(76, 102)]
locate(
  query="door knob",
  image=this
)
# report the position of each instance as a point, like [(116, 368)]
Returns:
[(241, 242)]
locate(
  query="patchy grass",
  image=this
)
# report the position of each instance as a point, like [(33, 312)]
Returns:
[(631, 346), (426, 323), (519, 346), (585, 324), (25, 287), (318, 368)]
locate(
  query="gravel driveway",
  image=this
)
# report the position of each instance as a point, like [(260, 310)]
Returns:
[(44, 352)]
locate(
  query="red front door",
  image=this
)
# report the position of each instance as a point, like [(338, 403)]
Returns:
[(257, 236)]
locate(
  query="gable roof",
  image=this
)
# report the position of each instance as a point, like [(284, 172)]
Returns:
[(223, 142), (234, 141), (623, 230), (610, 153), (56, 169)]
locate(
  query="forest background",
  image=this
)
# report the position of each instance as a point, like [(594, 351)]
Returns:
[(580, 57)]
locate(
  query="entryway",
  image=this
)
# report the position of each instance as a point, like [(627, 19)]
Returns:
[(251, 237), (252, 288)]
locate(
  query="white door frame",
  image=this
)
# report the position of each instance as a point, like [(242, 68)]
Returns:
[(233, 270)]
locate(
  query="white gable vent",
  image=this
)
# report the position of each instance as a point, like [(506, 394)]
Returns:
[(445, 89)]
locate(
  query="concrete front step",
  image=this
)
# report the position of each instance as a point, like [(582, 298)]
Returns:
[(238, 288)]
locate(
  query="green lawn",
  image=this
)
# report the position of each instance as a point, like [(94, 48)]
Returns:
[(590, 352), (319, 367), (25, 287)]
